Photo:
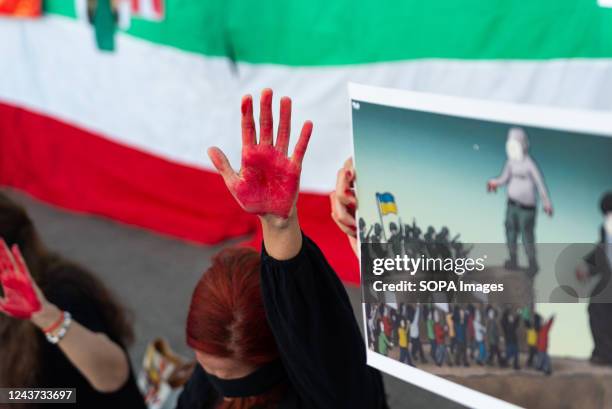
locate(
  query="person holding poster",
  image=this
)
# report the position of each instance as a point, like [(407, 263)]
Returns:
[(266, 328)]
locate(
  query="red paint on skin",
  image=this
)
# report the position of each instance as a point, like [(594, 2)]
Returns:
[(350, 194), (351, 208), (246, 104), (268, 181), (20, 299), (265, 117)]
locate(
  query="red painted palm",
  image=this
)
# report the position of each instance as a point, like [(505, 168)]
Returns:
[(20, 298), (268, 180)]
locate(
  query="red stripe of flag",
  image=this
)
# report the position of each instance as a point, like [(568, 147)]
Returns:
[(158, 6)]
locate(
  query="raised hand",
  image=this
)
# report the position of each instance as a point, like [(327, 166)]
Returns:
[(268, 181), (21, 296)]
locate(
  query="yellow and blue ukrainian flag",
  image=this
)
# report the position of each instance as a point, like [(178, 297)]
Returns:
[(386, 203)]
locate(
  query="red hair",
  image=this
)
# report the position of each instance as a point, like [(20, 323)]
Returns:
[(227, 317)]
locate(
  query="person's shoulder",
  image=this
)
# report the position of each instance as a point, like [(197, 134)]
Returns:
[(63, 279), (72, 288)]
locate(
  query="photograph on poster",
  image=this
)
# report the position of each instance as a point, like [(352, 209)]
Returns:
[(525, 187)]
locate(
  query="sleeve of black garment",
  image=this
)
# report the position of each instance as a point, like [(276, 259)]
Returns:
[(197, 393), (68, 297), (317, 335)]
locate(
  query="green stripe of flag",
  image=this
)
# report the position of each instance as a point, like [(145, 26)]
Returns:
[(322, 32)]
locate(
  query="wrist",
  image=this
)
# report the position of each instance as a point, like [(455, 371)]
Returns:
[(282, 237), (272, 222), (46, 316)]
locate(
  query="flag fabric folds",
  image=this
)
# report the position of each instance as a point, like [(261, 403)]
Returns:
[(386, 203)]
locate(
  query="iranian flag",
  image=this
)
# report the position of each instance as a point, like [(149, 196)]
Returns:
[(123, 133)]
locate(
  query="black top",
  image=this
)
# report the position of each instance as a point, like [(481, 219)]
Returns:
[(318, 338), (598, 265), (58, 372)]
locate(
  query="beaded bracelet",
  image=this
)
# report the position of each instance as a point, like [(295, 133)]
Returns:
[(61, 333)]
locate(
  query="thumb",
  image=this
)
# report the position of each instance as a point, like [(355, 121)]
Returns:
[(221, 163)]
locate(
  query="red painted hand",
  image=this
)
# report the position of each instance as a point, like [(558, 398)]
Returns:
[(268, 181), (21, 298)]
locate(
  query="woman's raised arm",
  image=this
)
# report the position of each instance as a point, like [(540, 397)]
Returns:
[(101, 361), (306, 305)]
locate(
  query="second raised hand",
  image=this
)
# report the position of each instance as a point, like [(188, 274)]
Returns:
[(268, 180), (21, 296)]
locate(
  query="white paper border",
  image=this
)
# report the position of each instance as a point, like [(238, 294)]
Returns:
[(572, 120), (438, 385)]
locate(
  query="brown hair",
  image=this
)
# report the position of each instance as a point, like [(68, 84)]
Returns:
[(19, 365)]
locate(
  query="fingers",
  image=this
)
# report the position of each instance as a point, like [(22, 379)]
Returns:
[(348, 165), (284, 126), (265, 117), (342, 216), (353, 243), (19, 262), (348, 229), (344, 194), (7, 265), (302, 143), (222, 165), (248, 123)]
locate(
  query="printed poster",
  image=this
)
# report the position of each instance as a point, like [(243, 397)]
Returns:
[(485, 235)]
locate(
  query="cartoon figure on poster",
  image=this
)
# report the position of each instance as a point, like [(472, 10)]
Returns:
[(524, 181)]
